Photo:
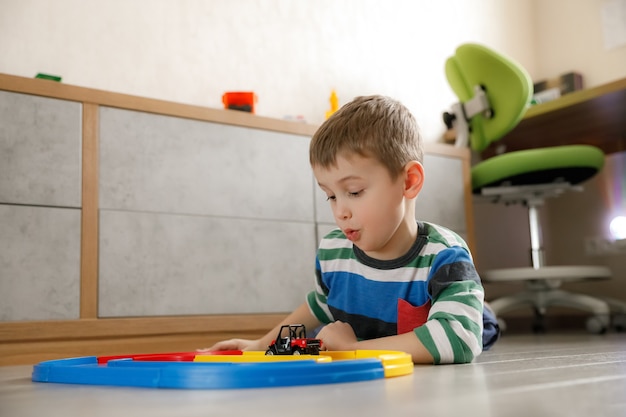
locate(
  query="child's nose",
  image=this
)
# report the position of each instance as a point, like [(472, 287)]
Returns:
[(342, 211)]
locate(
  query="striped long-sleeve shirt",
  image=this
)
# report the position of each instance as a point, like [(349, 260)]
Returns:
[(432, 290)]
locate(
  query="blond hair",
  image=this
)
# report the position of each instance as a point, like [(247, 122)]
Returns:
[(371, 126)]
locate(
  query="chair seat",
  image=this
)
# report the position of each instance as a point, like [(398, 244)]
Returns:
[(560, 273), (572, 164)]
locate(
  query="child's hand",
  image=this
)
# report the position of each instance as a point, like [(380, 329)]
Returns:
[(338, 336), (235, 344)]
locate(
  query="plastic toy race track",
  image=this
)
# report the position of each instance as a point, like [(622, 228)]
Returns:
[(223, 370)]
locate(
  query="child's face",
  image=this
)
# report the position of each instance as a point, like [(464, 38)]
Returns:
[(368, 205)]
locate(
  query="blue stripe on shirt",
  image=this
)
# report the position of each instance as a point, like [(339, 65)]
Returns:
[(449, 256), (355, 294)]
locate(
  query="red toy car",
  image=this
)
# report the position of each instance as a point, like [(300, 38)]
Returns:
[(292, 340)]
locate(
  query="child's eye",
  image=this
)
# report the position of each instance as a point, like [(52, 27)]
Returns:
[(355, 194), (330, 197)]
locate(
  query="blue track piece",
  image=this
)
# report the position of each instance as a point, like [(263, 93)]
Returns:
[(205, 375)]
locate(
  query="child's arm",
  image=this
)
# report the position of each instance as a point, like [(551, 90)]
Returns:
[(453, 330), (302, 315), (340, 336)]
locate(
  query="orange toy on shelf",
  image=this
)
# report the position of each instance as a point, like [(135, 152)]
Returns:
[(240, 100)]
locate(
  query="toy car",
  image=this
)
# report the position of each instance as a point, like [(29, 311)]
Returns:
[(292, 340)]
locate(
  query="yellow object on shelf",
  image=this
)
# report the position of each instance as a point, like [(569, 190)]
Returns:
[(334, 104)]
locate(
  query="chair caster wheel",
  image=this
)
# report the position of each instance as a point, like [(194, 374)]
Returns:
[(539, 327), (597, 324), (619, 322), (539, 323)]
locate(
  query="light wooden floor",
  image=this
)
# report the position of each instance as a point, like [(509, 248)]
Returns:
[(523, 375)]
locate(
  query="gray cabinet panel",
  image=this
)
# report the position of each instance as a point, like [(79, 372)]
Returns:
[(442, 199), (165, 164), (40, 150), (164, 264), (39, 263)]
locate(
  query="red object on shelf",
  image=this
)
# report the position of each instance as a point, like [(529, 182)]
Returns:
[(240, 100)]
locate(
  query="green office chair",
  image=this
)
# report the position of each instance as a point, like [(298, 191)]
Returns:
[(494, 93)]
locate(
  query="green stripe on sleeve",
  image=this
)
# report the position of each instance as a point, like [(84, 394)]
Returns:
[(462, 352), (423, 334), (466, 322)]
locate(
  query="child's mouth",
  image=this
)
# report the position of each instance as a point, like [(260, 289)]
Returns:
[(351, 234)]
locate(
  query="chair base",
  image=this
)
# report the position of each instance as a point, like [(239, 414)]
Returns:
[(542, 291)]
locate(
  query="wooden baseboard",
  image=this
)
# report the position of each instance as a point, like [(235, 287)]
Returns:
[(27, 343), (23, 343)]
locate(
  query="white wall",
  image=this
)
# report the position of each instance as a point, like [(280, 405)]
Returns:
[(291, 53), (569, 37)]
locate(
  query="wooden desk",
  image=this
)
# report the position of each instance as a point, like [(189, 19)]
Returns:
[(595, 116)]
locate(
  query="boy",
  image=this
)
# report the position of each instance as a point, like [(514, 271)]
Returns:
[(384, 279)]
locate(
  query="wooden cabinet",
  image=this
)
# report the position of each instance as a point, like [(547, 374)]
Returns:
[(130, 224)]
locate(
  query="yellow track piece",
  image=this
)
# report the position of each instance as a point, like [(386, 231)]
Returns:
[(395, 363), (253, 357)]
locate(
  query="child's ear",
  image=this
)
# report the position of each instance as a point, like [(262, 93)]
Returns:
[(413, 179)]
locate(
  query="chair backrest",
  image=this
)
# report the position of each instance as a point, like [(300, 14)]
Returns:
[(508, 87)]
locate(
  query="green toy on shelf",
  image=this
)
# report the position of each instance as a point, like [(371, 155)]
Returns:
[(43, 76)]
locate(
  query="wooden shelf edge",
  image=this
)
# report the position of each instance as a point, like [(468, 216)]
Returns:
[(64, 91), (575, 97)]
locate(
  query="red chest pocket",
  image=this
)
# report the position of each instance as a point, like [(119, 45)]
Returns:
[(410, 317)]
